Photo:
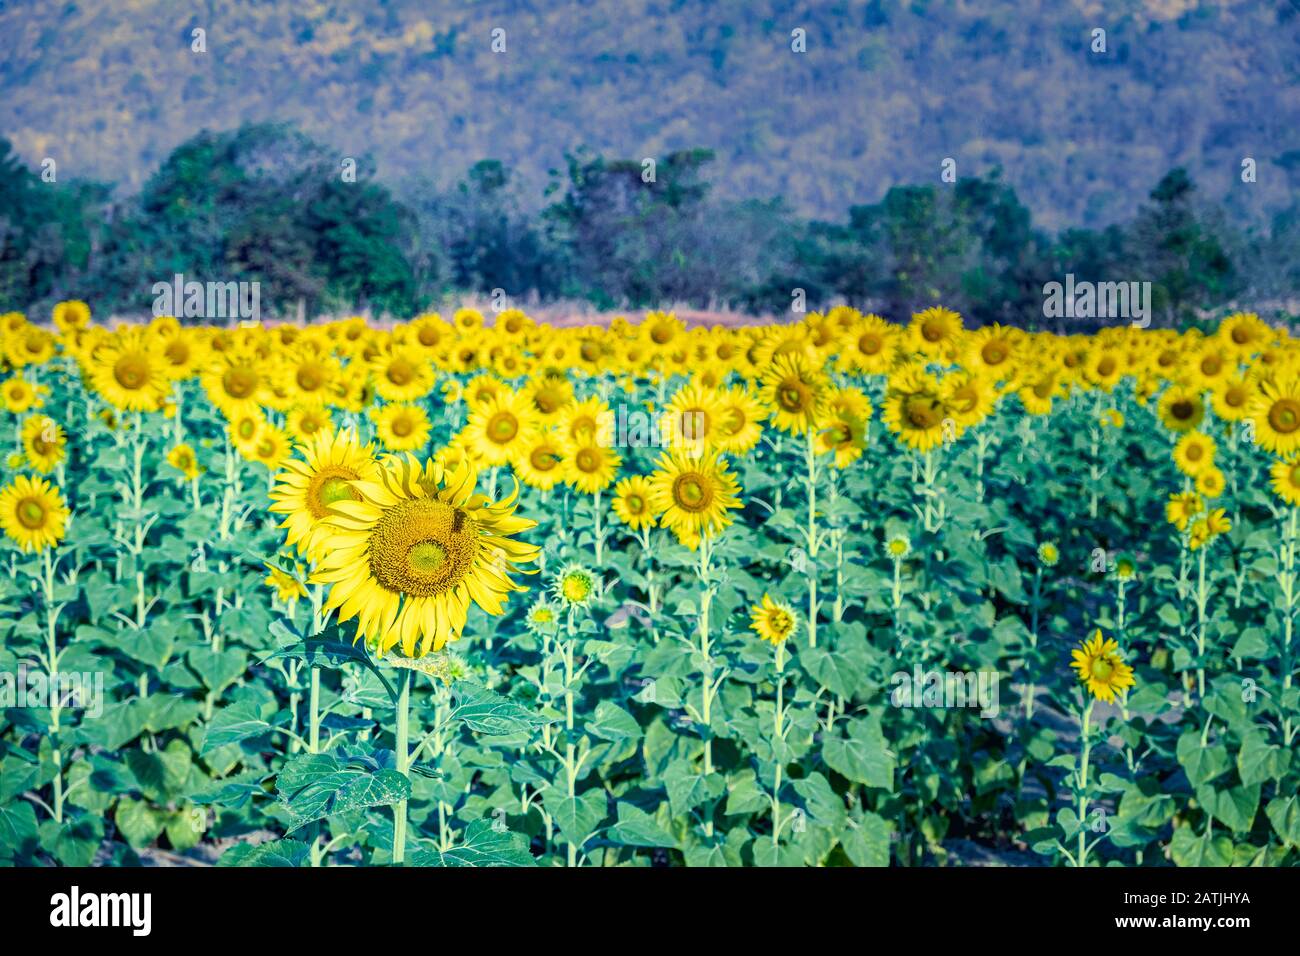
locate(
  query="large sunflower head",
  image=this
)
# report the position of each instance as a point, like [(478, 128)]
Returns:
[(1275, 411), (1100, 667), (916, 409), (794, 392), (32, 513), (416, 545), (694, 495), (127, 371)]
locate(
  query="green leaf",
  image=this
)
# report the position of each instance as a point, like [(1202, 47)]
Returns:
[(868, 843), (863, 756), (635, 827), (577, 816), (1284, 814), (487, 712), (17, 826), (139, 822), (823, 804), (481, 845), (834, 670), (313, 786), (1258, 760), (612, 722), (272, 853), (234, 723), (1188, 849)]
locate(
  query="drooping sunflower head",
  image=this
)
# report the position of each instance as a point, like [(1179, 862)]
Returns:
[(772, 620), (32, 513), (288, 587), (415, 546)]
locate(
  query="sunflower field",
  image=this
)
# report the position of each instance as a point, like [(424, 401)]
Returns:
[(483, 591)]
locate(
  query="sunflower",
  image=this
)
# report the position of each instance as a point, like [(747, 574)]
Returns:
[(794, 392), (44, 443), (419, 545), (1194, 453), (1210, 482), (1048, 554), (501, 427), (993, 352), (934, 332), (540, 463), (1101, 669), (1276, 413), (1181, 408), (32, 513), (575, 586), (694, 495), (309, 484), (871, 347), (773, 621), (969, 398), (288, 588), (898, 547), (1285, 475), (271, 447), (1232, 397), (632, 503), (916, 409), (694, 418), (843, 435), (543, 617), (236, 382), (304, 422), (308, 379), (741, 424), (584, 420), (1182, 508), (71, 315), (402, 374), (19, 395), (402, 427), (589, 466), (128, 373), (183, 459)]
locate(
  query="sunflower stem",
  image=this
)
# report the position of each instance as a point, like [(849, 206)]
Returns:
[(403, 765), (1082, 857)]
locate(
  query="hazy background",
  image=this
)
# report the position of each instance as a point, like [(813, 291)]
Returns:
[(817, 170)]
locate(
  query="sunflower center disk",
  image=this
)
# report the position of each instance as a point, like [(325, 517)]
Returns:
[(1284, 416), (691, 494), (423, 548), (31, 514)]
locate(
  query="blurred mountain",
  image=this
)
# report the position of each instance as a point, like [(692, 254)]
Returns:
[(884, 92)]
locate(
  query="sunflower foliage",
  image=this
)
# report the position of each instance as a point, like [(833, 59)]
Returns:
[(467, 592)]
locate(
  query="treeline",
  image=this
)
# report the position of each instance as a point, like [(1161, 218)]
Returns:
[(320, 233)]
